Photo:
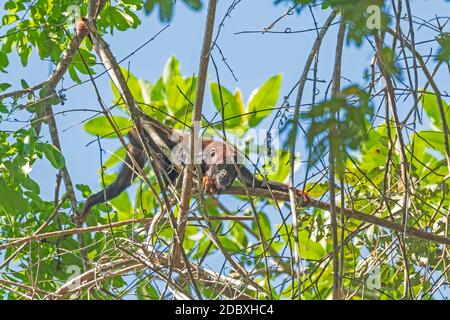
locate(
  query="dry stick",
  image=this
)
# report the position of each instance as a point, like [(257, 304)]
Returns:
[(22, 92), (195, 142), (298, 101), (194, 139), (171, 284), (416, 77), (22, 286), (335, 90), (278, 195), (404, 165), (70, 191), (267, 246)]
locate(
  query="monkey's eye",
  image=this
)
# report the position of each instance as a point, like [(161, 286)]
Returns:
[(213, 153)]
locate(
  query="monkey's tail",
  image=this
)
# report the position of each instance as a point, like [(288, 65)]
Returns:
[(249, 179), (124, 179)]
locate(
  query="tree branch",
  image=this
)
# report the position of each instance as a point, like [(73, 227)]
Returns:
[(349, 213), (194, 138)]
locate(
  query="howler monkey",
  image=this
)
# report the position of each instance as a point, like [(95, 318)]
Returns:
[(218, 162)]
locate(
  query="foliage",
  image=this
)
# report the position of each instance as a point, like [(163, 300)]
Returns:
[(363, 140), (261, 103), (338, 125), (166, 7)]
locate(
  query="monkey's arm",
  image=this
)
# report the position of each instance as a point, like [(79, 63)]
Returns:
[(248, 179), (125, 177)]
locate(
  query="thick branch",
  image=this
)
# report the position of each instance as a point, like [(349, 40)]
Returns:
[(196, 117), (301, 86), (349, 213)]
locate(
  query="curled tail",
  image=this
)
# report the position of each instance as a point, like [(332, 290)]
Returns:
[(125, 177)]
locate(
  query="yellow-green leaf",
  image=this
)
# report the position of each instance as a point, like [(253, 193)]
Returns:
[(263, 100), (100, 126), (227, 105)]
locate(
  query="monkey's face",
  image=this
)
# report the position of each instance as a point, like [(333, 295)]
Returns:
[(219, 165)]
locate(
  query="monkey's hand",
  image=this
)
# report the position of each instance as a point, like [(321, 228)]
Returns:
[(208, 185), (304, 196)]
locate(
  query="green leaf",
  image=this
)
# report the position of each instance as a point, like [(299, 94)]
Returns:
[(9, 18), (121, 20), (149, 5), (53, 155), (430, 104), (277, 167), (24, 52), (11, 201), (265, 225), (31, 185), (123, 204), (229, 245), (144, 198), (82, 59), (73, 74), (239, 236), (116, 157), (175, 99), (85, 189), (171, 69), (389, 62), (194, 4), (100, 126), (157, 94), (24, 84), (145, 291), (10, 6), (165, 10), (444, 49), (308, 248), (264, 98), (3, 108), (433, 140), (140, 89), (231, 106), (4, 86)]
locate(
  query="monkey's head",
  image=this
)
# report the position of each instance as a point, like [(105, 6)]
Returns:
[(219, 162)]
